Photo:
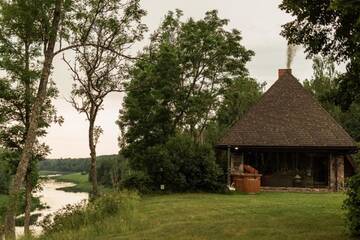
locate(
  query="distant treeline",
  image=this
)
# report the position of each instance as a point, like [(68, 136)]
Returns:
[(111, 169), (74, 164)]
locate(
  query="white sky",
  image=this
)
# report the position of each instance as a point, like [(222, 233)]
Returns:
[(260, 24)]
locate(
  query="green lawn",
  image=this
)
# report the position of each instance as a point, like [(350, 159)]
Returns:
[(81, 181), (266, 216)]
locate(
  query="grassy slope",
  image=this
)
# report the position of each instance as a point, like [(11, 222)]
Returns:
[(81, 181), (268, 216)]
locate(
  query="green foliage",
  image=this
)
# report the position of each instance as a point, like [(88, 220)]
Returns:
[(74, 217), (330, 28), (73, 164), (349, 85), (352, 205), (65, 165), (111, 170), (137, 180), (186, 77), (99, 68), (35, 205), (180, 165), (3, 201), (22, 37), (240, 95), (184, 165), (33, 219), (324, 86), (351, 121), (5, 171)]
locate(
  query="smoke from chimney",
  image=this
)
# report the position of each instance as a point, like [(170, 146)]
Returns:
[(291, 51)]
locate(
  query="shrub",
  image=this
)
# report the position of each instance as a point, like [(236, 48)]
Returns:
[(184, 165), (110, 170), (7, 168), (73, 217), (137, 180), (352, 205)]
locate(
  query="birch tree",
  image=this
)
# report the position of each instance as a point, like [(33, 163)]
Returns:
[(98, 71), (22, 72), (58, 24)]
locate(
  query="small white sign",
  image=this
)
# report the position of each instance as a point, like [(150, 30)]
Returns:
[(162, 187)]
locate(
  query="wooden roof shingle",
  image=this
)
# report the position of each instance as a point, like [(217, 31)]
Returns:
[(287, 115)]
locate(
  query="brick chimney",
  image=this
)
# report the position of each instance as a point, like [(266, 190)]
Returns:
[(282, 72)]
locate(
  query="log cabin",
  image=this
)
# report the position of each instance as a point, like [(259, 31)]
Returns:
[(290, 139)]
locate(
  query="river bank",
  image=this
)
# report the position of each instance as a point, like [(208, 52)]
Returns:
[(80, 182), (55, 199), (57, 190)]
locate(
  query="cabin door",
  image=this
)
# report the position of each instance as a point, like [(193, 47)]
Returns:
[(320, 170)]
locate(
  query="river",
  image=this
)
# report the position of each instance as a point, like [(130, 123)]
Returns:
[(55, 200)]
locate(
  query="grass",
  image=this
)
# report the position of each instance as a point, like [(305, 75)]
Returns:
[(265, 216), (80, 180)]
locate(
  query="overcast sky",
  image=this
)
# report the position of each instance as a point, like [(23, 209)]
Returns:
[(259, 22)]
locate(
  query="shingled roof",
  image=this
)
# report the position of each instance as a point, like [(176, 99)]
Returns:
[(287, 115)]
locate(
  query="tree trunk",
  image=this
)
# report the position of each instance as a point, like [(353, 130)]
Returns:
[(92, 146), (28, 190), (28, 94), (31, 134)]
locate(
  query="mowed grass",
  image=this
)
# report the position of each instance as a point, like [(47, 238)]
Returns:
[(270, 216), (263, 216)]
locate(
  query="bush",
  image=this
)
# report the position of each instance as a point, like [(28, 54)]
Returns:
[(73, 217), (137, 180), (183, 165), (110, 171), (8, 163), (352, 205)]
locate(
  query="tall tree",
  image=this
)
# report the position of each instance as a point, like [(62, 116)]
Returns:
[(324, 86), (239, 96), (330, 28), (54, 21), (98, 71), (20, 47), (179, 82)]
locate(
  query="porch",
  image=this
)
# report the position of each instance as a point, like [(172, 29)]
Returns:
[(293, 169)]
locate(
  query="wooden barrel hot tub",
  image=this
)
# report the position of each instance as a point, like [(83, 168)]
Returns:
[(247, 182)]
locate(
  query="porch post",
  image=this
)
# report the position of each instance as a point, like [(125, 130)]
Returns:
[(340, 172), (336, 175), (332, 172), (228, 166)]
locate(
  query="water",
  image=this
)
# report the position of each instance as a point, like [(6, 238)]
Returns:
[(55, 199)]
